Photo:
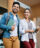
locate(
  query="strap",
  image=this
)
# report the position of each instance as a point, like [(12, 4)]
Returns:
[(18, 27), (7, 19)]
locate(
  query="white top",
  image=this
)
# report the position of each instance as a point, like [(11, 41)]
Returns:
[(24, 26), (14, 32)]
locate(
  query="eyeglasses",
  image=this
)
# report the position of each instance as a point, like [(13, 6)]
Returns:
[(26, 12)]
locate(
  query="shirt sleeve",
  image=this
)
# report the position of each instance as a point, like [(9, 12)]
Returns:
[(34, 26), (21, 29)]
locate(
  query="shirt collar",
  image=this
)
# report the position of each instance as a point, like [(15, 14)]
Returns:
[(26, 21)]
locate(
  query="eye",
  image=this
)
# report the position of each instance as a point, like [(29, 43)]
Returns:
[(17, 7), (14, 6)]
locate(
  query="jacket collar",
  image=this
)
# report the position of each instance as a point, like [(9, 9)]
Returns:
[(12, 14)]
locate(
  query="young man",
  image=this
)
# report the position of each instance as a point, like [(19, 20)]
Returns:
[(10, 39)]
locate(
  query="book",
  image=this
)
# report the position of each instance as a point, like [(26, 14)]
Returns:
[(11, 22)]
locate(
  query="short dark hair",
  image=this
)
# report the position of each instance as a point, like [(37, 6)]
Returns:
[(16, 3), (28, 9)]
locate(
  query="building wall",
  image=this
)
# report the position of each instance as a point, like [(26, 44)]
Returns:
[(36, 10), (4, 3), (36, 14), (10, 2)]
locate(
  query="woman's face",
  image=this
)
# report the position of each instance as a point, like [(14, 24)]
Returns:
[(27, 14)]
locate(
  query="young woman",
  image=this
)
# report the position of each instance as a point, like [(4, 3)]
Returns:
[(27, 29)]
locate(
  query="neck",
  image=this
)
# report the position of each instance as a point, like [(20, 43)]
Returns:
[(14, 14), (27, 19)]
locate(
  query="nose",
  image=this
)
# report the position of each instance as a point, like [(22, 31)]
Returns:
[(15, 7)]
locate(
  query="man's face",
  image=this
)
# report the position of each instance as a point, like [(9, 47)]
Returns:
[(15, 8)]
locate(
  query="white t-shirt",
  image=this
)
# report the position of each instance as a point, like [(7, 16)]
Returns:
[(14, 32)]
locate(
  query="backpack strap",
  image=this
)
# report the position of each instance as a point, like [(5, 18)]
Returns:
[(18, 26), (7, 19)]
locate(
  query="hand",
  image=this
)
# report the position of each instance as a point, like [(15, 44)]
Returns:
[(38, 29), (1, 31), (26, 31), (29, 31), (13, 27)]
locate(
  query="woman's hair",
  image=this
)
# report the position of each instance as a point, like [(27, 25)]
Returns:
[(28, 9)]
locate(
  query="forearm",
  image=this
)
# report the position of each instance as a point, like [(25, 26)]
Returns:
[(5, 27), (27, 31)]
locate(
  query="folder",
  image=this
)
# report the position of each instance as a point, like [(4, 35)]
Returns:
[(11, 22)]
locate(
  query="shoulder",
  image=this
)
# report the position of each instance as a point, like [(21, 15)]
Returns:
[(22, 20), (33, 22), (5, 14)]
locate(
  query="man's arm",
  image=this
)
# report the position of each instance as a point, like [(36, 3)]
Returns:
[(3, 23)]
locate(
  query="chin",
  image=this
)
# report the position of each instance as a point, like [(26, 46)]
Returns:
[(15, 11), (26, 16)]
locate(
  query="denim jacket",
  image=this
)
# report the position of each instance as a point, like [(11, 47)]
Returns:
[(6, 33)]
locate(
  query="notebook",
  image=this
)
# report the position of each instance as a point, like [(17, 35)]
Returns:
[(11, 22)]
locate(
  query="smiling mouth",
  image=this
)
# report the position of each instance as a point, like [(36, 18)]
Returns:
[(15, 10), (26, 14)]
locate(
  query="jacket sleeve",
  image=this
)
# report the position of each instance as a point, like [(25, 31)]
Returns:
[(3, 23)]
